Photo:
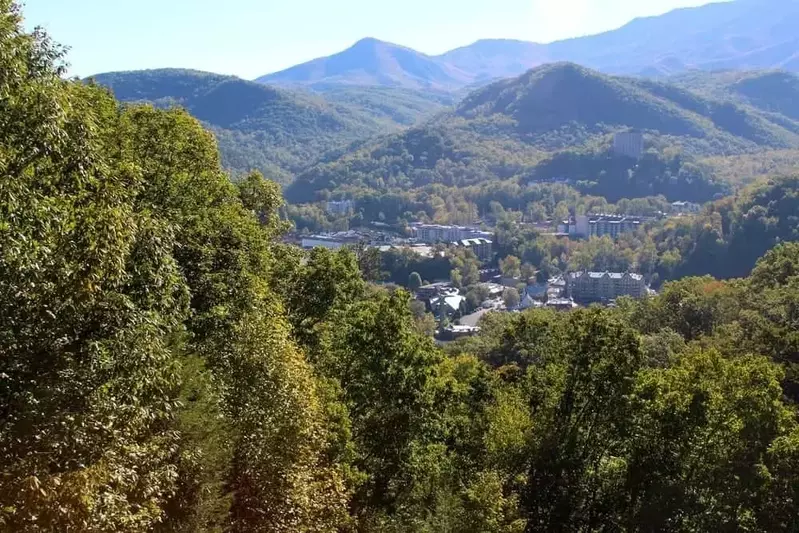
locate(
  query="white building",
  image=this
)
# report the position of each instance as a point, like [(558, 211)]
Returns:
[(332, 241), (599, 225), (683, 208), (434, 233)]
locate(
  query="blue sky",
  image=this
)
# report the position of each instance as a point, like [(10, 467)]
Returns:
[(249, 38)]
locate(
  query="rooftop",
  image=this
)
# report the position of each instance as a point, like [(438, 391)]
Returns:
[(611, 275)]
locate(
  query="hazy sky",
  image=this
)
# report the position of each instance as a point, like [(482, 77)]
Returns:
[(249, 38)]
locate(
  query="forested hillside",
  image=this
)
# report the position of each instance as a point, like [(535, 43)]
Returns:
[(515, 128), (771, 91), (276, 131), (168, 365)]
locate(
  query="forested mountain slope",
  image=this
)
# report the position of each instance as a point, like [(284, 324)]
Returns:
[(169, 365), (274, 130), (507, 128), (771, 91)]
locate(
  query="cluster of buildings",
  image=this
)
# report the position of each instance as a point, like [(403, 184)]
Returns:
[(562, 293), (482, 247), (585, 288), (480, 242)]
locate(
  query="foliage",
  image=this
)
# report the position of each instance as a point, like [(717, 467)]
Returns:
[(168, 365), (511, 298), (508, 128), (276, 131)]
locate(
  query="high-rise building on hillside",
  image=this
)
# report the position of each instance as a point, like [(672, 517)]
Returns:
[(629, 143)]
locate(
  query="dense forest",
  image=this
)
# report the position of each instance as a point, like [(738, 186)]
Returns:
[(554, 122), (168, 365), (277, 131)]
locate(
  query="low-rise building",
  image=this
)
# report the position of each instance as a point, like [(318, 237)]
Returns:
[(482, 248), (340, 207), (332, 241), (561, 304), (587, 226), (435, 289), (528, 302), (434, 233), (591, 287), (458, 332), (685, 208)]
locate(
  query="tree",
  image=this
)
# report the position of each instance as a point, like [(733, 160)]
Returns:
[(510, 267), (580, 392), (129, 263), (722, 412), (386, 369), (536, 212), (369, 261), (90, 298), (414, 281), (327, 281), (456, 278), (511, 298)]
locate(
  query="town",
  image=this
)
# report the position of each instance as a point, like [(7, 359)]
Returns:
[(457, 308)]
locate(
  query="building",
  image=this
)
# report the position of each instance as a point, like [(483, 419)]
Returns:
[(591, 287), (684, 208), (434, 233), (561, 304), (482, 248), (341, 207), (537, 291), (434, 290), (629, 144), (333, 241), (529, 302), (453, 333), (587, 226)]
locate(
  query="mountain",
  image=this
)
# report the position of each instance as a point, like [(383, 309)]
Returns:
[(373, 62), (770, 91), (394, 106), (491, 59), (739, 34), (274, 130), (553, 122)]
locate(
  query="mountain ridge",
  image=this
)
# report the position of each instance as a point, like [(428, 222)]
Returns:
[(556, 120), (741, 34), (373, 62), (272, 129)]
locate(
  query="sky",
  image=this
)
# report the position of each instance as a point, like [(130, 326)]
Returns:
[(250, 38)]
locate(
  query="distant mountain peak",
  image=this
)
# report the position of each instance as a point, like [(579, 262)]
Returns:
[(739, 34), (367, 42), (373, 62)]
